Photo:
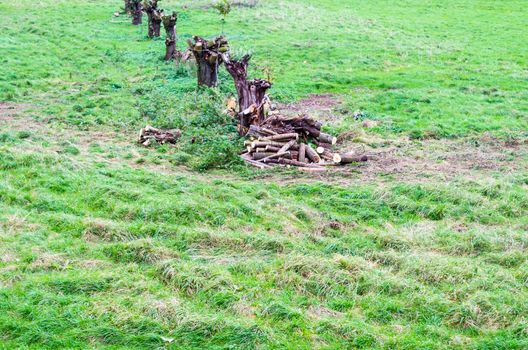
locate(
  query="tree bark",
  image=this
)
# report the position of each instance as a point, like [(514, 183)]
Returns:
[(208, 58), (154, 16), (128, 7), (169, 22), (251, 93), (137, 12)]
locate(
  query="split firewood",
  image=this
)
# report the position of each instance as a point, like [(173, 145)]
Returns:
[(149, 134), (349, 158)]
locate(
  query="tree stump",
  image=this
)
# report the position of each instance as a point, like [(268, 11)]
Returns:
[(169, 23), (251, 93), (128, 7), (154, 16), (208, 58), (137, 12)]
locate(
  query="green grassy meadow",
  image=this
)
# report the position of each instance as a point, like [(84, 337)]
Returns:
[(108, 245)]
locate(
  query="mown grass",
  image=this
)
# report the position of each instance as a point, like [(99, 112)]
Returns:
[(99, 250)]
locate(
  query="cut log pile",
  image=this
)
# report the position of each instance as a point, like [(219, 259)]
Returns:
[(273, 140), (149, 135), (299, 142)]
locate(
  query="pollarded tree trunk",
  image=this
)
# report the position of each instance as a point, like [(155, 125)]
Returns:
[(208, 58), (137, 12), (128, 7), (251, 93), (154, 16), (169, 22)]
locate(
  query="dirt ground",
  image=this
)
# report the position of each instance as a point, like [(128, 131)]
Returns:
[(394, 159)]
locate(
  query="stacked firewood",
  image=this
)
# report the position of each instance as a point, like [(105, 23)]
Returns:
[(149, 135), (281, 141)]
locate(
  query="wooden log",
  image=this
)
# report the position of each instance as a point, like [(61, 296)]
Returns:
[(287, 146), (297, 163), (271, 149), (326, 154), (271, 132), (349, 158), (312, 155), (327, 138), (312, 170), (276, 155), (256, 144), (254, 163), (261, 155), (302, 153), (257, 131), (281, 137), (311, 131), (323, 144)]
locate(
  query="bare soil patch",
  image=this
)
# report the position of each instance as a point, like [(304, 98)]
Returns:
[(320, 107), (398, 159)]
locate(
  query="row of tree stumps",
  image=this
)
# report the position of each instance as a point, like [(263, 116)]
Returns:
[(273, 140), (156, 17)]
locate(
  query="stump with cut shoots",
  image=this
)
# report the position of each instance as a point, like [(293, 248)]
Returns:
[(208, 58)]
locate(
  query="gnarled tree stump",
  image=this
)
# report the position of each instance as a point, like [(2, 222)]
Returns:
[(128, 7), (137, 12), (154, 16), (169, 22), (251, 93), (208, 58)]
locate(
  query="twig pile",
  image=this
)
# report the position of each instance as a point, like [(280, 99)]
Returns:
[(281, 141), (149, 134)]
